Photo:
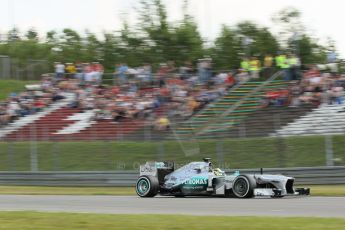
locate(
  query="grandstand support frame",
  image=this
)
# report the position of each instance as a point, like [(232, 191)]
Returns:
[(237, 104)]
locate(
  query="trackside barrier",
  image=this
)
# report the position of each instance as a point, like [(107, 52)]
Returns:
[(312, 175)]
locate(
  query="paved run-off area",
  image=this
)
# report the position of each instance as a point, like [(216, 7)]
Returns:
[(302, 206)]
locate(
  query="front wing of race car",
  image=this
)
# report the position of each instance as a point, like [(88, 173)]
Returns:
[(272, 192), (280, 186)]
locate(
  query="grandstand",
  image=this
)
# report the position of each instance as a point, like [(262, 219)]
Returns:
[(326, 119), (69, 124), (237, 114), (240, 112), (221, 118), (24, 125)]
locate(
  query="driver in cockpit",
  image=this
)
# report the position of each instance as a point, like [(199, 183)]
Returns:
[(216, 171)]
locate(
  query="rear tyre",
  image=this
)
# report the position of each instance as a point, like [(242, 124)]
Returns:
[(147, 186), (243, 186)]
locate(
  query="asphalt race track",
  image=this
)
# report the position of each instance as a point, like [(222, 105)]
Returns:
[(301, 206)]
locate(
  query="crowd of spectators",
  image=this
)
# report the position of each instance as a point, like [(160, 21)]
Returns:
[(251, 67), (180, 91), (31, 101), (180, 95), (317, 85), (138, 92), (88, 72)]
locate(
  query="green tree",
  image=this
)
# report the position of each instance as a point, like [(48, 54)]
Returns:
[(187, 41), (133, 48), (71, 45), (288, 20), (13, 35), (294, 37), (263, 42), (154, 40), (153, 21), (92, 50), (310, 52), (230, 45), (31, 34), (110, 51), (226, 50)]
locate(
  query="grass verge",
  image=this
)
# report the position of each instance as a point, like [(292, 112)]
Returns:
[(327, 190), (52, 221), (12, 86), (316, 190)]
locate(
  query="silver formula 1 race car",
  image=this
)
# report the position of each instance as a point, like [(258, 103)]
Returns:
[(199, 178)]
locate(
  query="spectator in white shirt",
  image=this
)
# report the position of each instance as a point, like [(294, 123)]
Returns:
[(59, 70)]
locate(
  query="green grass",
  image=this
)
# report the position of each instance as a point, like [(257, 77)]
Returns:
[(327, 190), (114, 155), (316, 190), (10, 86), (75, 221)]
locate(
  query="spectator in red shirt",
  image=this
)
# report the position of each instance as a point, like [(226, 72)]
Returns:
[(39, 105), (230, 80)]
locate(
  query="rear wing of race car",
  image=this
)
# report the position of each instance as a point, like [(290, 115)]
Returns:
[(152, 168), (157, 169)]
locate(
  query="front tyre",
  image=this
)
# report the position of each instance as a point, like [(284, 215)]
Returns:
[(243, 186), (147, 186)]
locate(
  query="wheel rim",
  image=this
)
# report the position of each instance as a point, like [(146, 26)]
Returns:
[(241, 187), (143, 186)]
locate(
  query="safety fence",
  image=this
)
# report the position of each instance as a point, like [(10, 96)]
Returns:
[(270, 152), (313, 175), (12, 68)]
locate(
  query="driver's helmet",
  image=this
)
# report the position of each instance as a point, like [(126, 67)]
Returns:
[(218, 172)]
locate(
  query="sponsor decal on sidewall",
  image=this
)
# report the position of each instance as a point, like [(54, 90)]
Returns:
[(196, 181)]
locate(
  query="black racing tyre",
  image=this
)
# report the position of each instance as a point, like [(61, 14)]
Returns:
[(147, 186), (228, 193), (243, 186)]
